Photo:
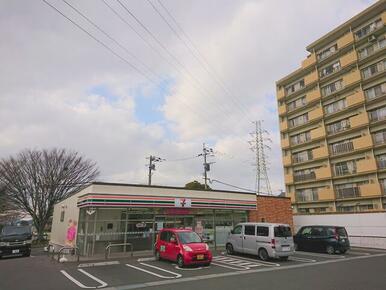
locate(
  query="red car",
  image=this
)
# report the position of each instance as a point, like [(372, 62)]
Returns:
[(182, 246)]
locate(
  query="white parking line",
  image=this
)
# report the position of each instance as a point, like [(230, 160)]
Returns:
[(264, 263), (358, 253), (229, 267), (87, 265), (320, 255), (102, 283), (147, 259), (190, 269), (298, 259), (176, 275), (234, 264)]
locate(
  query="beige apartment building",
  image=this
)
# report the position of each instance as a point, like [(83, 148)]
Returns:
[(332, 113)]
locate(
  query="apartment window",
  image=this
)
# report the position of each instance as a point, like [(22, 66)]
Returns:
[(342, 147), (332, 88), (383, 185), (344, 168), (301, 138), (378, 114), (300, 120), (348, 190), (381, 160), (373, 48), (294, 87), (376, 91), (327, 52), (339, 126), (302, 156), (379, 137), (305, 174), (330, 69), (335, 107), (368, 28), (297, 103), (309, 194), (374, 69), (346, 208), (320, 209)]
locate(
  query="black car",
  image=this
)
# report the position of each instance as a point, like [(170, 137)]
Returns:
[(330, 239), (15, 241)]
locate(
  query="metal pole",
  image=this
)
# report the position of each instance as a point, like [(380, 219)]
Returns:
[(150, 168), (205, 172)]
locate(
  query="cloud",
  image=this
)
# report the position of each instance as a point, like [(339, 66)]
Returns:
[(62, 89)]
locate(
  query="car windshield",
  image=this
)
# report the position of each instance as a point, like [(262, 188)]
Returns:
[(189, 237), (14, 230), (341, 232), (282, 232)]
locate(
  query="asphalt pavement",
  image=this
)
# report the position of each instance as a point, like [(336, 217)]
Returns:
[(358, 269)]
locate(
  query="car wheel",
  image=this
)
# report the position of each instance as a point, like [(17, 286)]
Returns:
[(343, 251), (330, 250), (284, 258), (229, 249), (263, 254), (27, 254), (206, 265), (180, 261), (157, 256)]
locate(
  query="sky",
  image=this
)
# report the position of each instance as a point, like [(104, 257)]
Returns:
[(155, 77)]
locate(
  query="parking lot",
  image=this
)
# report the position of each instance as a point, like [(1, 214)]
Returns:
[(40, 272)]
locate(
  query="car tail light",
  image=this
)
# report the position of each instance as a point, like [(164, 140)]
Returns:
[(273, 243)]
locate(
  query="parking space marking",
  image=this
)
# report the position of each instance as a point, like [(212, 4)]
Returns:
[(176, 275), (190, 269), (358, 253), (298, 259), (264, 263), (147, 259), (320, 255), (88, 265), (234, 263), (81, 285)]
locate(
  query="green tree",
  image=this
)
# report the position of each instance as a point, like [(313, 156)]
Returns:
[(196, 185), (35, 180)]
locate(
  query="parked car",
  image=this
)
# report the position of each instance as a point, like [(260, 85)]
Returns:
[(182, 246), (330, 239), (266, 240), (15, 241)]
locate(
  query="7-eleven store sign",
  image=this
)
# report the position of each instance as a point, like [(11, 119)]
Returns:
[(182, 202)]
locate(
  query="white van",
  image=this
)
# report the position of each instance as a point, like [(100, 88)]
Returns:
[(265, 240)]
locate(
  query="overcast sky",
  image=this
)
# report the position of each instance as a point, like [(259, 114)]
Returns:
[(167, 93)]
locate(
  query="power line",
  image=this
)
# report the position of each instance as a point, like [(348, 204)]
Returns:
[(231, 185), (99, 41)]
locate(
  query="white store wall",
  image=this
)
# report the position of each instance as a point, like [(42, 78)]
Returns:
[(364, 229)]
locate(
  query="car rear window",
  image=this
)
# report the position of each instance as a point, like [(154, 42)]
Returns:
[(15, 230), (282, 232), (341, 232)]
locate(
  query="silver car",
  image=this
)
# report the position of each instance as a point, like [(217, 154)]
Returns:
[(266, 240)]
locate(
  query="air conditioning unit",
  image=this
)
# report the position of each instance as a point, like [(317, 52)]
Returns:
[(372, 38)]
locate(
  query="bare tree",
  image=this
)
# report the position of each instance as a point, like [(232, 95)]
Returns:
[(35, 180)]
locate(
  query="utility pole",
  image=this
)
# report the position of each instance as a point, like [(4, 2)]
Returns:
[(206, 151), (151, 165), (258, 146)]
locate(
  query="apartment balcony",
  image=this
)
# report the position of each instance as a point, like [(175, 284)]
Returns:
[(350, 192), (342, 148), (283, 125), (321, 152), (351, 78), (310, 60), (285, 143), (287, 160), (381, 164), (313, 95), (323, 173), (359, 120), (348, 58), (345, 40), (342, 171), (366, 165), (280, 93), (379, 139), (326, 194), (370, 189), (355, 99), (304, 177), (282, 109), (315, 114), (299, 159), (318, 133), (362, 142), (311, 78), (288, 178)]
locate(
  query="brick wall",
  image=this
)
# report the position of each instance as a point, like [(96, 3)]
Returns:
[(272, 210)]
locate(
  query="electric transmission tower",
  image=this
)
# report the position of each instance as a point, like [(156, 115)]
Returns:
[(151, 165), (258, 145), (206, 152)]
